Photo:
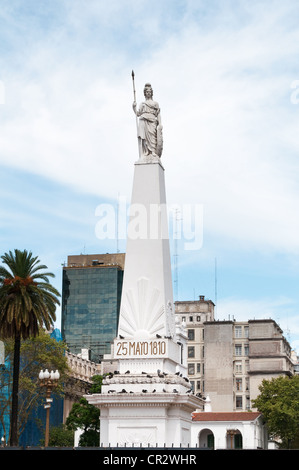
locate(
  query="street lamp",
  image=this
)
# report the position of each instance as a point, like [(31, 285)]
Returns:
[(49, 380)]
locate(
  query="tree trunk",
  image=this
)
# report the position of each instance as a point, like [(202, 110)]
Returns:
[(14, 441)]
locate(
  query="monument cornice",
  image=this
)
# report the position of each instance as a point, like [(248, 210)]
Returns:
[(149, 160), (191, 402), (137, 379)]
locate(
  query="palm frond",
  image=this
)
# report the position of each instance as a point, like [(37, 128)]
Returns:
[(27, 301)]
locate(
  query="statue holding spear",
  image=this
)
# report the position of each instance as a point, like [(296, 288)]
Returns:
[(149, 127)]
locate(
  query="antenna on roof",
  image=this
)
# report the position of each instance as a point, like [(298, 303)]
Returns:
[(215, 287), (175, 256), (117, 216)]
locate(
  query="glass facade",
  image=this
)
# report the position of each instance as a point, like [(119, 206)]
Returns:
[(90, 308)]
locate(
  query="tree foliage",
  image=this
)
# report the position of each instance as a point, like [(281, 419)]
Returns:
[(60, 436), (41, 352), (97, 381), (27, 303), (85, 417), (27, 299), (278, 401)]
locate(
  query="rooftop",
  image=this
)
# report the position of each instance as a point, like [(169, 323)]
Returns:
[(96, 260), (225, 416)]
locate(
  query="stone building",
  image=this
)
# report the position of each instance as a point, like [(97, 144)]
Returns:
[(194, 314), (79, 381), (228, 359), (270, 353)]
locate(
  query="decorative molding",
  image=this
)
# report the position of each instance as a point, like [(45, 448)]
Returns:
[(142, 310), (137, 435)]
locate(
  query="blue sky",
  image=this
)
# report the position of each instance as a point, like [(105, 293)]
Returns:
[(225, 75)]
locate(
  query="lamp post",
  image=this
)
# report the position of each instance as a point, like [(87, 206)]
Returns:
[(49, 380)]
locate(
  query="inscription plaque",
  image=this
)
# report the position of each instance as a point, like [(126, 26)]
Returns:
[(142, 349)]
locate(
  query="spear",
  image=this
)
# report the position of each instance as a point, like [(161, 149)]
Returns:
[(134, 93)]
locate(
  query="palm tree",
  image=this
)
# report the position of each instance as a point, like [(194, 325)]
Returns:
[(27, 302)]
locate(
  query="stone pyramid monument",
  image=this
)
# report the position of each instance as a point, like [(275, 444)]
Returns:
[(147, 399)]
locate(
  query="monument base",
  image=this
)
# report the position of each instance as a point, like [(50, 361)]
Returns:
[(146, 397), (146, 418), (145, 408)]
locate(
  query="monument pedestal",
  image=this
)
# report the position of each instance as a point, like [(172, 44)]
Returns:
[(145, 419), (147, 399)]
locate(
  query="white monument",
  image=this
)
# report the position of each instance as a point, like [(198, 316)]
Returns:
[(147, 400)]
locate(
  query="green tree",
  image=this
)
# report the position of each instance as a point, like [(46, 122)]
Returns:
[(86, 417), (60, 436), (97, 381), (40, 352), (27, 303), (279, 404)]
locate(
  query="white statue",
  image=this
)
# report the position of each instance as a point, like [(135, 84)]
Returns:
[(149, 127)]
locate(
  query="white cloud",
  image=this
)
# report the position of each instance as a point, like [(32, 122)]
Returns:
[(225, 107), (229, 125), (222, 73)]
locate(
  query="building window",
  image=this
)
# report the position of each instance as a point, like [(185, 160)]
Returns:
[(239, 385), (191, 351), (238, 367), (190, 318), (198, 367), (191, 369), (246, 331), (247, 383), (246, 349), (238, 350), (198, 385), (191, 335), (198, 318), (239, 402), (247, 403), (238, 332)]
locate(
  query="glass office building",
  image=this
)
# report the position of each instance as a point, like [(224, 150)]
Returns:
[(91, 295)]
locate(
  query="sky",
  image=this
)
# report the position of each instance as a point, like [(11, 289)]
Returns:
[(226, 76)]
